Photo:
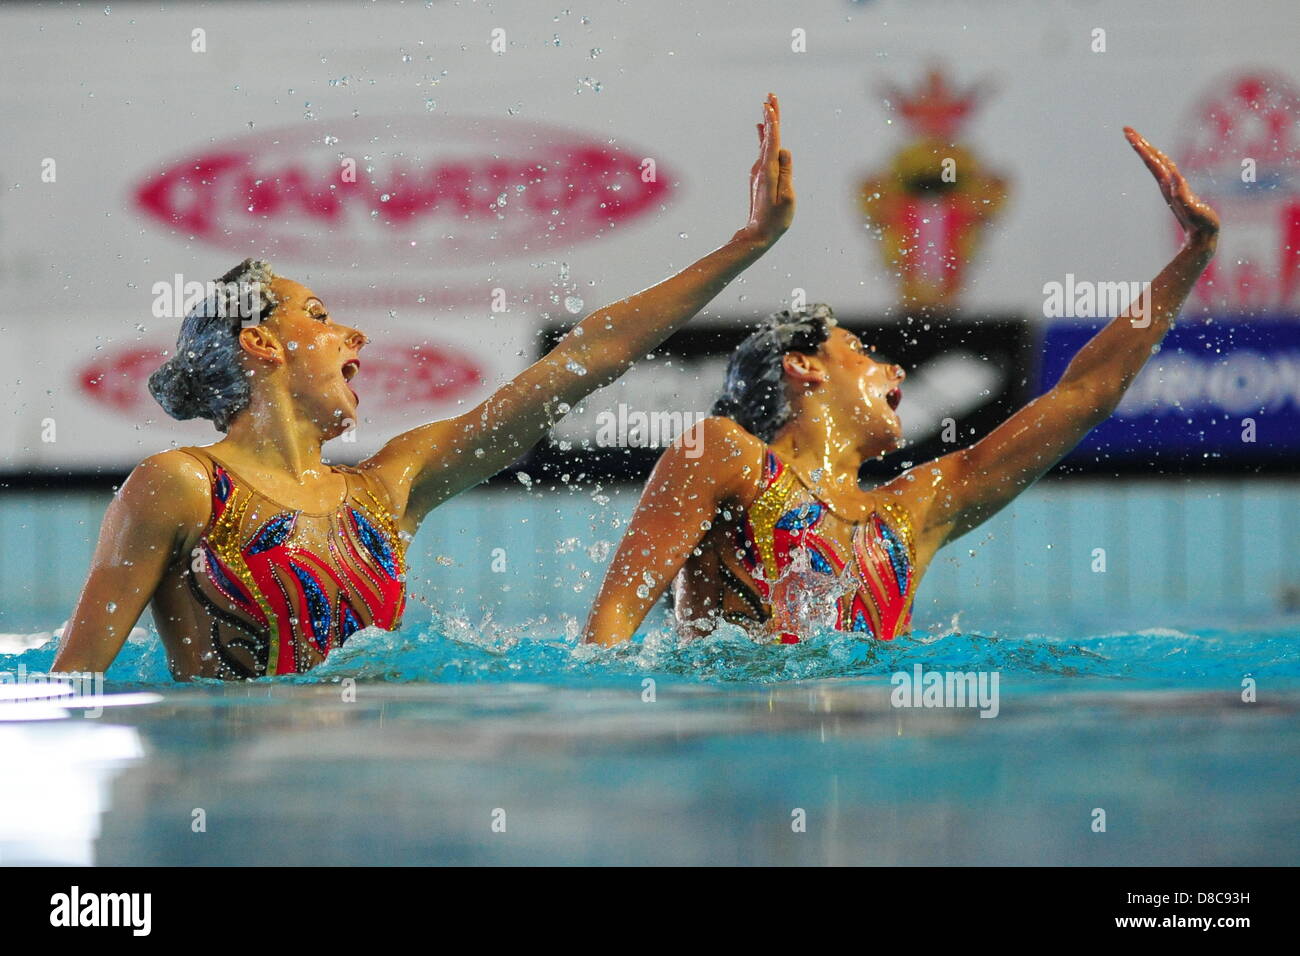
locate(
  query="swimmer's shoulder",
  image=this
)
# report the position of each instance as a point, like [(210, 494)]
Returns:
[(733, 456), (171, 486)]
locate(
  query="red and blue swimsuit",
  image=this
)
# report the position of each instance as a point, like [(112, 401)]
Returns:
[(787, 521), (280, 588)]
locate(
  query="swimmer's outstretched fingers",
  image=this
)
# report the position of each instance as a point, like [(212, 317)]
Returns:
[(771, 178), (1195, 215)]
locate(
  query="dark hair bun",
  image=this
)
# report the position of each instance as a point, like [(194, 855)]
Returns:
[(205, 378), (171, 385), (753, 393)]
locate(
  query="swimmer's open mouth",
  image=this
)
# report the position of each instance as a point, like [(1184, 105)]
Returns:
[(350, 369), (893, 397)]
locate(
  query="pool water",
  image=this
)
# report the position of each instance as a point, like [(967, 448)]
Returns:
[(435, 744)]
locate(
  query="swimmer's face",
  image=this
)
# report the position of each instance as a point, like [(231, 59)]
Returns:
[(864, 387), (316, 354)]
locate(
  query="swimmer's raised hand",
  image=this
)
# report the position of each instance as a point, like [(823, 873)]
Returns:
[(964, 488), (1199, 221), (771, 180)]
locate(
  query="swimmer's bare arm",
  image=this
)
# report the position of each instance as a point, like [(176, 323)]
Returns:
[(429, 464), (160, 505), (957, 492), (717, 467)]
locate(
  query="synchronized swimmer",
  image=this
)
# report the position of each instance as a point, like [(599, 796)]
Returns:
[(769, 529), (259, 558)]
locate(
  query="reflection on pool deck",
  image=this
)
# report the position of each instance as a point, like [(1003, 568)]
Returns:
[(704, 774)]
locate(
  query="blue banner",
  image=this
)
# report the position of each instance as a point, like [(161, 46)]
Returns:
[(1222, 394)]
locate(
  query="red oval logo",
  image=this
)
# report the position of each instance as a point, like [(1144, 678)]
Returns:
[(393, 377), (452, 190)]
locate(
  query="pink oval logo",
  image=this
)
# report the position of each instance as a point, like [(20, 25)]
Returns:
[(454, 190), (394, 377)]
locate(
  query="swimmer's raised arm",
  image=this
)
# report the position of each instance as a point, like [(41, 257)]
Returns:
[(428, 464), (680, 502), (161, 505), (959, 491)]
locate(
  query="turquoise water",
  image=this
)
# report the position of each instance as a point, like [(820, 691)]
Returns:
[(406, 747), (1207, 658)]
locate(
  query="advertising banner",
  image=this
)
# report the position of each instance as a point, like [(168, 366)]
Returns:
[(1220, 396), (504, 170)]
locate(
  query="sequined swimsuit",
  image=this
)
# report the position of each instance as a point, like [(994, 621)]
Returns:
[(275, 590), (872, 588)]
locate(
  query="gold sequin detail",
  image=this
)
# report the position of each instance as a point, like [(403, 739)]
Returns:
[(381, 515), (223, 538), (764, 513), (901, 522)]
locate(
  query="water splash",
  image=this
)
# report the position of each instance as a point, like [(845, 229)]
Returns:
[(455, 651)]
